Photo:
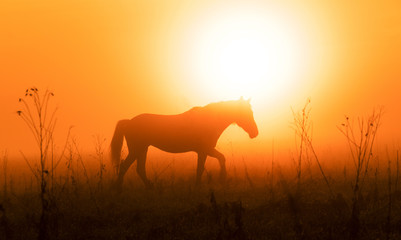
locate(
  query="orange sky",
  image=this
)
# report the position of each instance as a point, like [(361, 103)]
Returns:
[(109, 60)]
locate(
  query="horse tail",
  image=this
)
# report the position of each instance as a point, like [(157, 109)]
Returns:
[(117, 142)]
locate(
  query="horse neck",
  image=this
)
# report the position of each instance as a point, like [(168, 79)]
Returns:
[(224, 120)]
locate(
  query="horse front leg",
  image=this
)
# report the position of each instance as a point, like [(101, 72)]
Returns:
[(201, 167), (222, 160)]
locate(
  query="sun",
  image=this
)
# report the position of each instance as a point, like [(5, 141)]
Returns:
[(245, 52)]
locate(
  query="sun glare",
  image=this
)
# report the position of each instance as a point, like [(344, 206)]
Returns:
[(245, 52)]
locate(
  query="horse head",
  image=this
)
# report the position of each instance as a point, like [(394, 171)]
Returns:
[(245, 119)]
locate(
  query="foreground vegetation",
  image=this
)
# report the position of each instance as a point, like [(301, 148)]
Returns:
[(85, 206), (70, 196)]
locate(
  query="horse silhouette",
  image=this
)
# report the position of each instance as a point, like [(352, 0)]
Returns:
[(197, 130)]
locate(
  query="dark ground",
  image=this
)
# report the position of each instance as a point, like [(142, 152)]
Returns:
[(243, 210)]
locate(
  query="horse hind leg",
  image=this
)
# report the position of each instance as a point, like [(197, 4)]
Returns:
[(123, 169), (141, 168)]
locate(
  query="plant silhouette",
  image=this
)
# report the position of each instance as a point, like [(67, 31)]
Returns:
[(41, 121)]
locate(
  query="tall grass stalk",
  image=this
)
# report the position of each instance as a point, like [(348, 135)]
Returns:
[(388, 227), (360, 141), (41, 121), (302, 126), (5, 176), (397, 172), (70, 173), (157, 174), (81, 163), (5, 230), (99, 153), (272, 174), (248, 178)]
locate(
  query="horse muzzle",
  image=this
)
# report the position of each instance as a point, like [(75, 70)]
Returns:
[(254, 134)]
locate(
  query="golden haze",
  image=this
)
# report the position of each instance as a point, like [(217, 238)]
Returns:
[(109, 60)]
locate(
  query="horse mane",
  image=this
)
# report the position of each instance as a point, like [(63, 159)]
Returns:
[(222, 106)]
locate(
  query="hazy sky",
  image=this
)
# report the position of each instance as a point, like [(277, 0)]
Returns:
[(110, 60)]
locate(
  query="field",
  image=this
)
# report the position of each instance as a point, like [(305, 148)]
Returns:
[(80, 201), (67, 194)]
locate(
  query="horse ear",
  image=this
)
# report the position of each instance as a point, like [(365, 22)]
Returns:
[(249, 100)]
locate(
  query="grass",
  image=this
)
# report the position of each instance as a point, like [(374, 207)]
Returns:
[(360, 141), (41, 122), (176, 209), (180, 211), (305, 199)]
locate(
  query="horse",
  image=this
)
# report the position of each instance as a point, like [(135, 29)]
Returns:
[(196, 130)]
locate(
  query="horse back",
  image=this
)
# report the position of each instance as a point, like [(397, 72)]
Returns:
[(173, 133)]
